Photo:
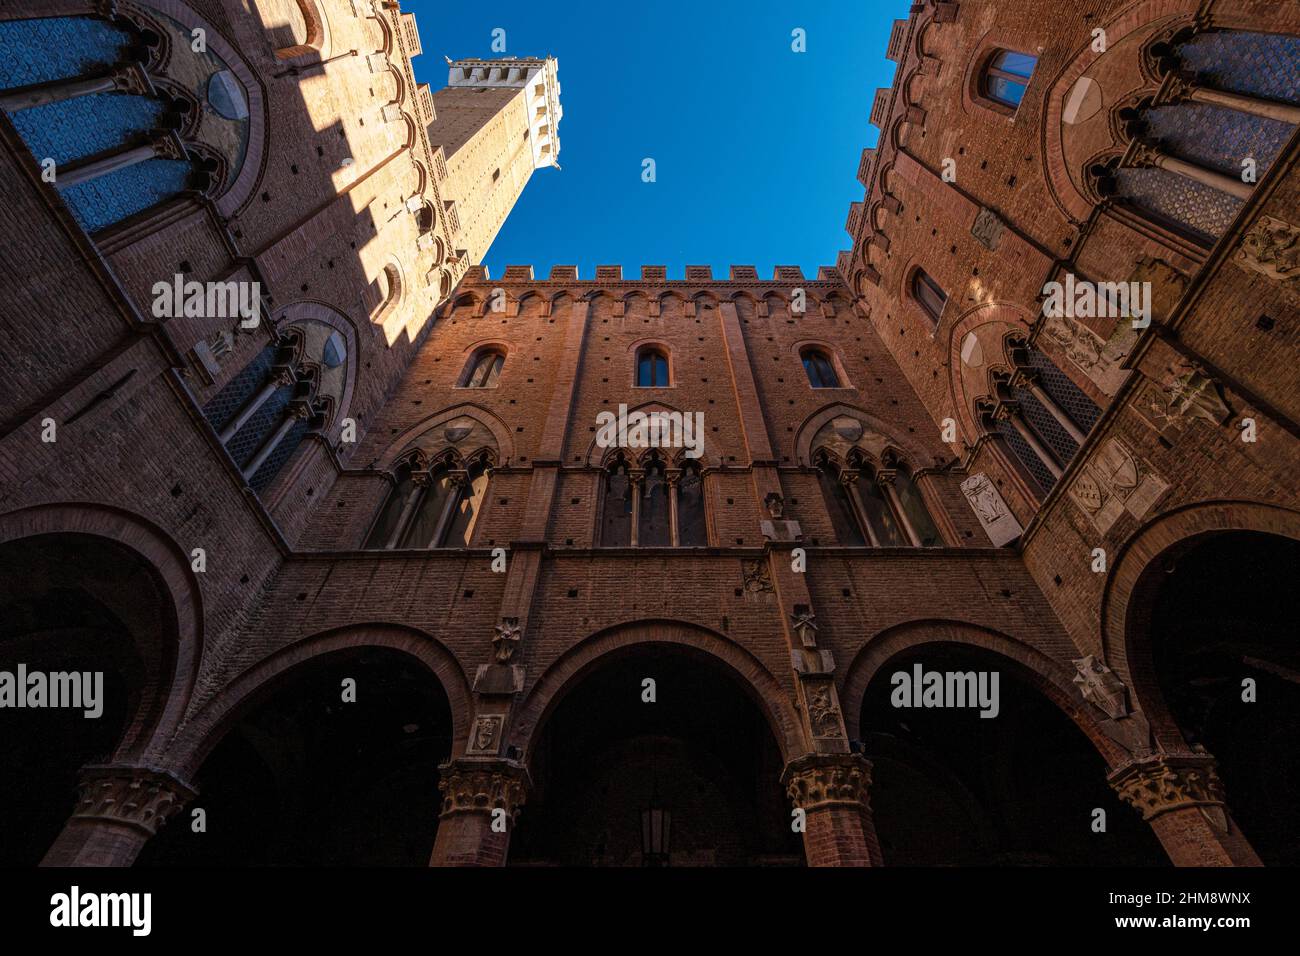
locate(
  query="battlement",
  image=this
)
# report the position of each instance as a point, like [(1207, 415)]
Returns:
[(692, 275)]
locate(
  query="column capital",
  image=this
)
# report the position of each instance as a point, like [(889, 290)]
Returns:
[(814, 781), (482, 786), (139, 797), (1171, 781)]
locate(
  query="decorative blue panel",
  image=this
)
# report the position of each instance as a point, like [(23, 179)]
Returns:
[(1046, 427), (44, 50), (1071, 399), (244, 444), (283, 451), (1026, 455), (1218, 138), (87, 125), (1204, 211), (1266, 65), (223, 406), (112, 198)]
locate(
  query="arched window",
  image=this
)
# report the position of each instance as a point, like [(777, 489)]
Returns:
[(882, 524), (484, 369), (839, 508), (913, 508), (1006, 77), (654, 517), (1040, 413), (653, 507), (929, 294), (883, 509), (616, 508), (692, 532), (651, 368), (264, 412), (437, 508), (820, 369), (1232, 95), (136, 145)]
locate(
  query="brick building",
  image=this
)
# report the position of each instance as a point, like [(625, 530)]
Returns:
[(367, 584)]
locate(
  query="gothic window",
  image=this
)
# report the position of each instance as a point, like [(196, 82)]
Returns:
[(471, 494), (692, 531), (1026, 455), (1071, 400), (95, 96), (1006, 77), (651, 368), (262, 415), (1232, 97), (820, 369), (838, 506), (652, 507), (431, 508), (484, 369), (616, 513), (929, 294), (884, 529), (913, 506), (654, 519), (386, 526)]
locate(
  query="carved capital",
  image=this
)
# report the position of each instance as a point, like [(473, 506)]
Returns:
[(1145, 154), (139, 797), (481, 786), (1164, 782), (814, 781)]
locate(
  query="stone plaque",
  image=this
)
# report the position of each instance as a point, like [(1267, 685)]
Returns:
[(986, 501)]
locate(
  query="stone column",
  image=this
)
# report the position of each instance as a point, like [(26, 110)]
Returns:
[(168, 147), (1017, 420), (1181, 797), (298, 411), (1029, 381), (420, 482), (481, 800), (885, 479), (129, 79), (634, 483), (1183, 86), (1146, 154), (281, 377), (673, 477), (118, 809), (849, 480), (832, 790)]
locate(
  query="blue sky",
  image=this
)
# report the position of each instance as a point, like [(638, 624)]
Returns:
[(756, 147)]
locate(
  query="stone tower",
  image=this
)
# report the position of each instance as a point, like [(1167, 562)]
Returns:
[(496, 121)]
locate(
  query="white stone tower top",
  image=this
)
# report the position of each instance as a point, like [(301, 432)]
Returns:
[(539, 76)]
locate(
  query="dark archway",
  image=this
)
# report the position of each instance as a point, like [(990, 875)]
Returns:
[(950, 787), (703, 751), (1217, 610), (304, 778), (74, 603)]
